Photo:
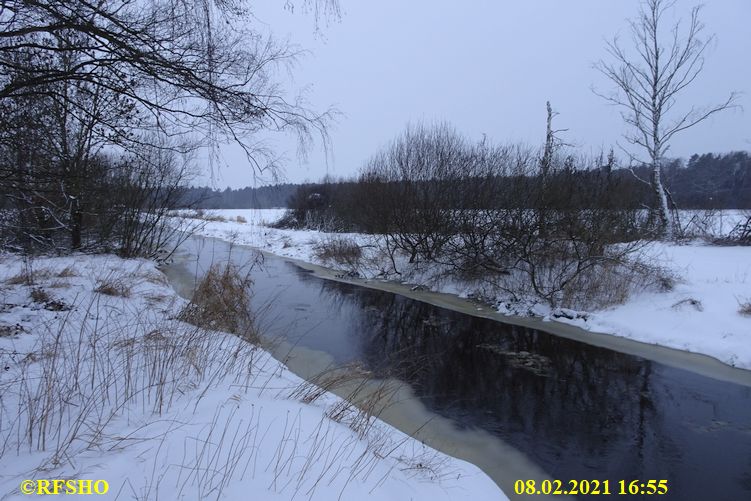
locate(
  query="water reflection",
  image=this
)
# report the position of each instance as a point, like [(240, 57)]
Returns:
[(579, 411)]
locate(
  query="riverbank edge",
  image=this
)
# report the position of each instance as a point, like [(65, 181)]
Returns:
[(406, 413), (698, 363)]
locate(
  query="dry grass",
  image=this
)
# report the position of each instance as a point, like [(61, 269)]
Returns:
[(241, 219), (58, 284), (11, 330), (200, 214), (111, 286), (222, 302), (28, 276), (91, 368), (21, 278), (207, 216), (364, 397), (66, 272), (85, 372), (340, 250), (214, 218), (156, 278), (39, 295), (606, 284), (326, 381)]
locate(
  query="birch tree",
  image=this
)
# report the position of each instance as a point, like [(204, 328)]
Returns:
[(664, 59)]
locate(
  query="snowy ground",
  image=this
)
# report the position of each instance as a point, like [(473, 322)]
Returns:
[(701, 314), (100, 381)]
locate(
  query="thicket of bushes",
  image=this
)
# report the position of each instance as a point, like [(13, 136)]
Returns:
[(106, 204), (564, 228)]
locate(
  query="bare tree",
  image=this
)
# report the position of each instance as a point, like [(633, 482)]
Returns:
[(192, 67), (129, 77), (666, 59)]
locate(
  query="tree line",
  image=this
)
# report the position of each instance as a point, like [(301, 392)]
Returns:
[(262, 197), (703, 181)]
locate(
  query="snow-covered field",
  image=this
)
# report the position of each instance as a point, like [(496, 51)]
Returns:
[(701, 314), (100, 381)]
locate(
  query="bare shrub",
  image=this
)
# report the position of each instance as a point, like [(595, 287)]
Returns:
[(287, 221), (705, 225), (562, 228), (744, 308), (241, 219), (148, 185), (39, 295), (741, 234), (664, 279), (412, 187), (689, 302), (602, 286), (340, 250), (222, 302)]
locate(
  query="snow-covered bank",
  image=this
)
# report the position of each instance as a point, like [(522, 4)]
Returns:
[(100, 381), (700, 314)]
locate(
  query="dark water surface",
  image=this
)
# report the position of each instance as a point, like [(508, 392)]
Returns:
[(575, 410)]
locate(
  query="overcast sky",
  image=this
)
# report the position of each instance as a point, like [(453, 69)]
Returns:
[(486, 66)]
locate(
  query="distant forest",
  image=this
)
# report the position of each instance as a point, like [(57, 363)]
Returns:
[(708, 181), (264, 197)]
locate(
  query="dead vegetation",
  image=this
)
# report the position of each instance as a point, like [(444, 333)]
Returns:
[(113, 286), (202, 215), (11, 330), (89, 368), (744, 308), (39, 295), (66, 272), (689, 302), (363, 396), (340, 250), (222, 302), (29, 276), (86, 371)]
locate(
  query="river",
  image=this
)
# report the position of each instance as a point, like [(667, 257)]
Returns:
[(518, 401)]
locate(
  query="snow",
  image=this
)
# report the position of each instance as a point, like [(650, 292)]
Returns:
[(701, 314), (114, 387)]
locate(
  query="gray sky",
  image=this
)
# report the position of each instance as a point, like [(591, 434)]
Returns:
[(486, 66)]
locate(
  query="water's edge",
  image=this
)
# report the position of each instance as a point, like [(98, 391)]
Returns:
[(407, 414), (698, 363), (503, 462)]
